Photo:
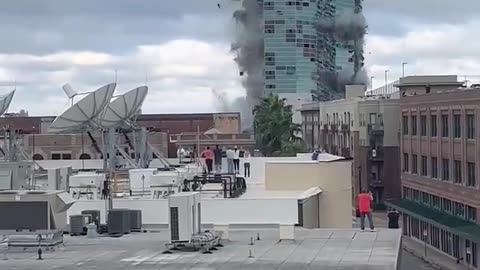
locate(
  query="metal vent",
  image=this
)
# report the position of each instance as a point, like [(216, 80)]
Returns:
[(174, 224)]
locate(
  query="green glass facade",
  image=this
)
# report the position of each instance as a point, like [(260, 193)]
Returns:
[(295, 54), (344, 50)]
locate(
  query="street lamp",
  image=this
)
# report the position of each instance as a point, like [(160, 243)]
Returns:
[(403, 68), (386, 80), (33, 141)]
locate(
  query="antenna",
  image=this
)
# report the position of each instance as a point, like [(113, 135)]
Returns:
[(123, 108), (82, 114)]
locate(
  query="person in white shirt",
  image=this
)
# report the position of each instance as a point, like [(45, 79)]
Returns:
[(246, 163), (236, 160), (230, 156)]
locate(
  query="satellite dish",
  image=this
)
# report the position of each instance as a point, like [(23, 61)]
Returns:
[(124, 107), (82, 114), (5, 101), (69, 91)]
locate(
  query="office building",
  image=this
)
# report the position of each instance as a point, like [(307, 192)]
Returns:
[(440, 157), (344, 50), (295, 52), (365, 129)]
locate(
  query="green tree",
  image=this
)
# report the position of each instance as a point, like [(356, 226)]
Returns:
[(275, 133)]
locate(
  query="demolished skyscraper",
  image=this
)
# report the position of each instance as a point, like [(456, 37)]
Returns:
[(304, 49)]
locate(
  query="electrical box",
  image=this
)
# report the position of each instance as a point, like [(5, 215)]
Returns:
[(65, 173), (140, 178), (166, 178), (184, 216), (54, 179)]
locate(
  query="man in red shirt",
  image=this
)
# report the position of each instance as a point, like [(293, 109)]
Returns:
[(363, 201), (208, 155)]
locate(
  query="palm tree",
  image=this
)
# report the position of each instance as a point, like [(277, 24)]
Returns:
[(276, 134)]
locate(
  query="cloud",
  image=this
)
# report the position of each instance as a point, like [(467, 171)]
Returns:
[(179, 73), (428, 49)]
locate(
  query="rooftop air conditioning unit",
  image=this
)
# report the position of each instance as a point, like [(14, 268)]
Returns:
[(95, 214), (135, 220), (78, 224), (184, 216), (119, 221)]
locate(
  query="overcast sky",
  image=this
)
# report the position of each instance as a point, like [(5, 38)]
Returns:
[(181, 48)]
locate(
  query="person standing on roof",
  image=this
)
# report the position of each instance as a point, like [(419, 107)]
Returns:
[(218, 159), (230, 156), (208, 155), (236, 160), (364, 200), (246, 163)]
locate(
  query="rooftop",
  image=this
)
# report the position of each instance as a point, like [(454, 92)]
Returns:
[(313, 249)]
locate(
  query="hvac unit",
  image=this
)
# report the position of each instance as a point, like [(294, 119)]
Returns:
[(136, 220), (184, 216), (95, 214), (78, 224), (118, 221)]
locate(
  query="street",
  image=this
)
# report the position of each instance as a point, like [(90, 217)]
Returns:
[(411, 262)]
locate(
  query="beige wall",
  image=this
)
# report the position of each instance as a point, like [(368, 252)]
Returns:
[(333, 178), (227, 123)]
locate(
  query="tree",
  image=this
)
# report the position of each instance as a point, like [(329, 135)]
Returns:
[(275, 133)]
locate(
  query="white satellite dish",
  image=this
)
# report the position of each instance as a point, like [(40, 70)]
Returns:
[(124, 107), (82, 114), (5, 101), (69, 91)]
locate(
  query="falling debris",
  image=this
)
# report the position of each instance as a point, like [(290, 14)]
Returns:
[(249, 54), (218, 5), (348, 26)]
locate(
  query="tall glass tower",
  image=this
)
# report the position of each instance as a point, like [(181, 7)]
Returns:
[(344, 50), (295, 54)]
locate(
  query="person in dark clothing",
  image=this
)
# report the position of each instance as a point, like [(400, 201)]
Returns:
[(218, 159), (393, 217)]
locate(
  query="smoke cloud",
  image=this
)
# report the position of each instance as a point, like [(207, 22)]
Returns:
[(348, 26), (249, 50)]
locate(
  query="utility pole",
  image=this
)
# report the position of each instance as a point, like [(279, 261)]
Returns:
[(386, 81), (403, 68)]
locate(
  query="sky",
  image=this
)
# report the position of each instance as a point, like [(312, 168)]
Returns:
[(181, 49)]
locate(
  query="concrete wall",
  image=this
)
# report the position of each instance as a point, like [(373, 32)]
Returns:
[(214, 211), (333, 178)]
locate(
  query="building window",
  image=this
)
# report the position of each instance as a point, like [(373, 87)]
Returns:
[(405, 125), (414, 164), (56, 156), (37, 157), (445, 169), (457, 171), (405, 162), (423, 125), (471, 181), (416, 195), (433, 125), (471, 213), (445, 126), (434, 167), (425, 198), (470, 126), (424, 168), (436, 202), (414, 125), (447, 205), (457, 127)]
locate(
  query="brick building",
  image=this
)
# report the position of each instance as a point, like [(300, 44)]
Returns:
[(440, 161), (170, 124)]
